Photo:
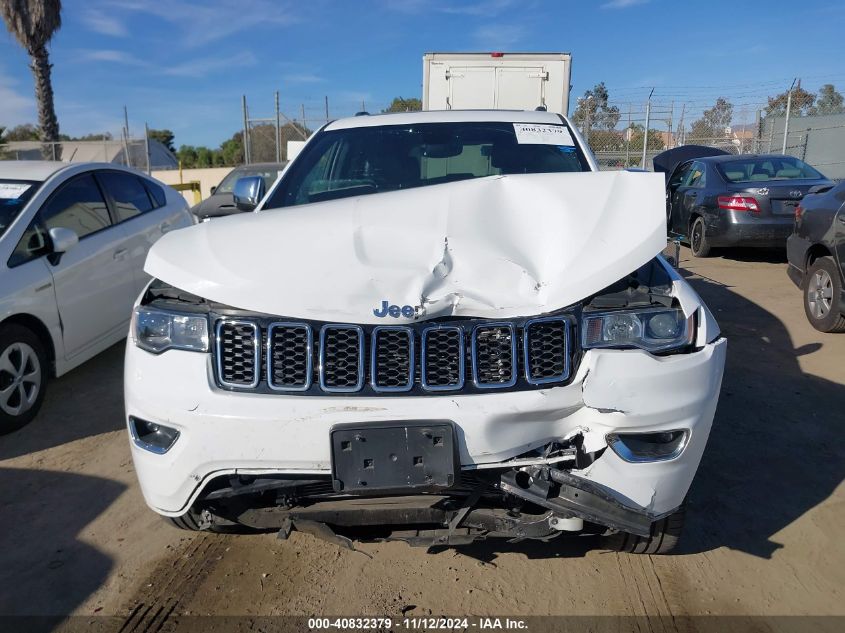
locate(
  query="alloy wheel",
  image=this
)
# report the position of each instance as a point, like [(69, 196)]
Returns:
[(20, 378), (820, 294)]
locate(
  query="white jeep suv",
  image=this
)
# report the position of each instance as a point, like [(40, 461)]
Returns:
[(436, 327)]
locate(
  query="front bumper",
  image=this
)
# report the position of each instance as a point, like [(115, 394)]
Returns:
[(223, 433)]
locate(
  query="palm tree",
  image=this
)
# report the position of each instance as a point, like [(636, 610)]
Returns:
[(33, 23)]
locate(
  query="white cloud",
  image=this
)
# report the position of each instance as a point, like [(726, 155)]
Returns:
[(203, 66), (498, 36), (15, 107), (622, 4), (204, 22), (303, 78), (110, 55), (100, 22)]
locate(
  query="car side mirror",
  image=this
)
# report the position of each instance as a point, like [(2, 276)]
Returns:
[(213, 189), (63, 240), (248, 192)]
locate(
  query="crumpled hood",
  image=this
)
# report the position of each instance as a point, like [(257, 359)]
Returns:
[(501, 246)]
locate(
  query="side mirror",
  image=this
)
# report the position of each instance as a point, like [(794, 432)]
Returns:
[(248, 192), (63, 240), (213, 189)]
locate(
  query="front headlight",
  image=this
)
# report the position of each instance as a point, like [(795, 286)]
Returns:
[(156, 330), (651, 329)]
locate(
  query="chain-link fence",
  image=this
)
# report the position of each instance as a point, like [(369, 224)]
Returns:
[(134, 152)]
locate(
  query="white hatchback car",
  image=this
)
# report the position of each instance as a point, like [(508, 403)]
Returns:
[(73, 240)]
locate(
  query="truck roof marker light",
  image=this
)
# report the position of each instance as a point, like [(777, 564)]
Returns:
[(497, 54)]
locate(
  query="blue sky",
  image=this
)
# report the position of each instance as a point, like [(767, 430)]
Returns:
[(184, 64)]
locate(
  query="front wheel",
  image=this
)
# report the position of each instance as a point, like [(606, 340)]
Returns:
[(663, 539), (23, 376), (699, 245), (822, 289)]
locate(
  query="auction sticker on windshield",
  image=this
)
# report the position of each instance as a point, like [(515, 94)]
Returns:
[(13, 190), (533, 134)]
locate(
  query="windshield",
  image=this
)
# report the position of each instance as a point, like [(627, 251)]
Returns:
[(757, 168), (268, 174), (13, 197), (366, 160)]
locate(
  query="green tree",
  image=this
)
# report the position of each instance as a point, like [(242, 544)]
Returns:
[(165, 137), (23, 132), (828, 101), (713, 121), (400, 104), (594, 106), (232, 150), (635, 135), (104, 136), (802, 102), (187, 155), (2, 141), (33, 23)]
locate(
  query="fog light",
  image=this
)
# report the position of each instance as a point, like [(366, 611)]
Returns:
[(648, 447), (156, 438)]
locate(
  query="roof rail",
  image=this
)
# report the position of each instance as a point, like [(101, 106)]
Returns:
[(362, 113)]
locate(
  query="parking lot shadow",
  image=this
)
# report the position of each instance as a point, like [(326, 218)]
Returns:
[(45, 568), (775, 451), (85, 402)]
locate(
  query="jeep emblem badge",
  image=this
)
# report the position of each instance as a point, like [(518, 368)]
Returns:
[(386, 309)]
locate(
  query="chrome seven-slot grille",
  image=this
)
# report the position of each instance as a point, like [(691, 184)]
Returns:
[(429, 358)]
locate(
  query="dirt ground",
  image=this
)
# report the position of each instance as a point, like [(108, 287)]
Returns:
[(764, 531)]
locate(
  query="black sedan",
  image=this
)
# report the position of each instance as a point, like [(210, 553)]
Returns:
[(221, 203), (816, 253), (733, 200)]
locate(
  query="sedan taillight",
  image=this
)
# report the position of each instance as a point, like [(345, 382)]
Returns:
[(738, 203)]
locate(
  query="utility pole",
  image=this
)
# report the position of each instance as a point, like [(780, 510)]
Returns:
[(647, 123), (788, 111), (327, 108), (302, 114), (628, 133), (670, 142), (680, 133), (246, 130), (588, 105), (125, 137), (147, 147), (278, 132)]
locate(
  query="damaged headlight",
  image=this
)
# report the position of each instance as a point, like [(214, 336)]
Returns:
[(156, 330), (651, 329)]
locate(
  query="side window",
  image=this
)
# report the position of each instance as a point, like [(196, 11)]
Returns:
[(78, 206), (156, 193), (33, 244), (680, 176), (698, 175), (129, 195)]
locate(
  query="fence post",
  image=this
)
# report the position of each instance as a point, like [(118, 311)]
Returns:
[(246, 130), (147, 147), (278, 132), (647, 123), (788, 110)]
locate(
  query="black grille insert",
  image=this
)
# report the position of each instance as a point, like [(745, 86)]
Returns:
[(546, 350), (392, 359), (341, 358), (238, 351), (494, 355), (443, 359), (289, 365)]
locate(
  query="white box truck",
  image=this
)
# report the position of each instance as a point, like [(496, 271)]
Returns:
[(497, 81)]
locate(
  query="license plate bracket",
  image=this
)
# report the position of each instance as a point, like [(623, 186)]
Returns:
[(379, 457)]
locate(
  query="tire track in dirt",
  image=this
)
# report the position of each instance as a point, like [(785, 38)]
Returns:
[(173, 583)]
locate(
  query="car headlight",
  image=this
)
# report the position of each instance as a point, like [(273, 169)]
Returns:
[(651, 329), (157, 330)]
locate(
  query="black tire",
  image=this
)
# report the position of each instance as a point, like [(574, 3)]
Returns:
[(664, 537), (698, 243), (821, 289), (24, 372)]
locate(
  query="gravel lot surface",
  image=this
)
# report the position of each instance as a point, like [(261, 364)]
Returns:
[(764, 530)]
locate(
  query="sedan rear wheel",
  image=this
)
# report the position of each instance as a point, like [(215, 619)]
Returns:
[(822, 290), (22, 376), (699, 245)]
